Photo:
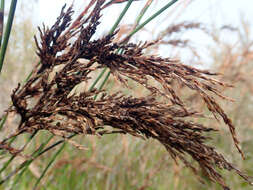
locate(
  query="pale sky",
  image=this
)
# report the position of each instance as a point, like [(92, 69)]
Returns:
[(221, 11), (210, 12)]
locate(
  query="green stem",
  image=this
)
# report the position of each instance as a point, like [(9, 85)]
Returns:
[(25, 164), (120, 16), (152, 17), (143, 11), (13, 156), (1, 20), (97, 79), (103, 83), (7, 32), (7, 164), (49, 164), (3, 120), (2, 4)]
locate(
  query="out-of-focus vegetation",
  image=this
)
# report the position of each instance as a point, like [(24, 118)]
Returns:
[(124, 162)]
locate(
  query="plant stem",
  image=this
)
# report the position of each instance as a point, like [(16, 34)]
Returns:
[(49, 164), (7, 32), (1, 20), (103, 83), (7, 163), (13, 156), (122, 14), (3, 120), (143, 11), (26, 163), (152, 17), (97, 79)]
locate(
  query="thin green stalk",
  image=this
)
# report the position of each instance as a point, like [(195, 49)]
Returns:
[(103, 83), (143, 11), (97, 79), (120, 16), (152, 17), (7, 163), (28, 162), (25, 164), (1, 20), (34, 155), (2, 4), (106, 78), (3, 120), (49, 164), (13, 156), (7, 32), (3, 151)]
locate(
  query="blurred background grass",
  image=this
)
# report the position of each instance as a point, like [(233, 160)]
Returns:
[(117, 162)]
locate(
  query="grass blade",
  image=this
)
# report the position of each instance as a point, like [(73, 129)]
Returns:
[(143, 11), (97, 79), (3, 120), (25, 164), (7, 164), (152, 17), (122, 14), (13, 156), (1, 20), (103, 83), (49, 164), (7, 32)]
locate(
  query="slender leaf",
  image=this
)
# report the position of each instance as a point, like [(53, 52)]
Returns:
[(1, 20), (7, 32)]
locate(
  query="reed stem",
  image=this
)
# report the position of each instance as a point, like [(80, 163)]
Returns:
[(7, 32)]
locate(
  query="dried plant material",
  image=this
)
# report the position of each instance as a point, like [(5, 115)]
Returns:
[(45, 102)]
